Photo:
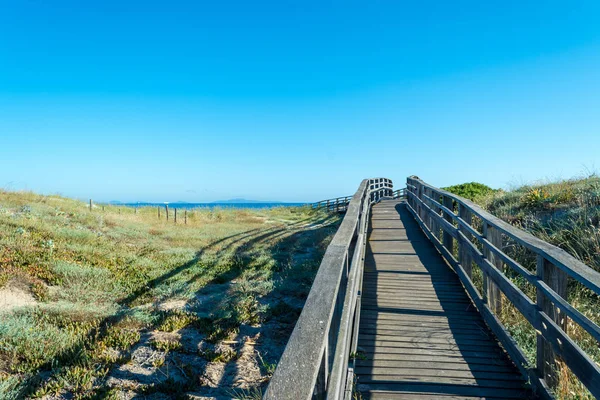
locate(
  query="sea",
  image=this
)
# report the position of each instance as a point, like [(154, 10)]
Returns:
[(214, 205)]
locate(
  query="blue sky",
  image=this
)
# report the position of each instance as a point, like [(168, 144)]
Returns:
[(294, 101)]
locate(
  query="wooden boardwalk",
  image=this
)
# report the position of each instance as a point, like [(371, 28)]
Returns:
[(420, 335)]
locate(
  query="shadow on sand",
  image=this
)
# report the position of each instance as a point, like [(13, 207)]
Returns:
[(295, 247)]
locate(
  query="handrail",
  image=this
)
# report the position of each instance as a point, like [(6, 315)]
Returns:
[(445, 217), (399, 193), (337, 204), (316, 361)]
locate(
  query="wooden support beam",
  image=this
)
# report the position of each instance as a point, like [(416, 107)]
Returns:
[(557, 280), (492, 293), (447, 238), (464, 255)]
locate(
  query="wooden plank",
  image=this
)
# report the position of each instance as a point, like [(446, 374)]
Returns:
[(456, 360), (417, 325), (439, 380), (443, 363), (435, 373), (414, 319), (382, 297), (446, 333), (494, 236), (464, 253), (557, 281), (389, 391), (371, 351), (412, 396), (453, 340), (399, 292), (448, 240)]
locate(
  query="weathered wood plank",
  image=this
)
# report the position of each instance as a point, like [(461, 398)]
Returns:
[(417, 324), (458, 360), (442, 362), (391, 391), (436, 373), (439, 380)]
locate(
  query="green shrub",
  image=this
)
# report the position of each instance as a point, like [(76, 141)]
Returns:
[(470, 190)]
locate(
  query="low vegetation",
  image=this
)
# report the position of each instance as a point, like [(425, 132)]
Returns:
[(114, 302), (566, 214), (471, 190)]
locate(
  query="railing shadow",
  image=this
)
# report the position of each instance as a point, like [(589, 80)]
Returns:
[(444, 347)]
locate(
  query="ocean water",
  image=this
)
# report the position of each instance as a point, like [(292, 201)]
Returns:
[(215, 205)]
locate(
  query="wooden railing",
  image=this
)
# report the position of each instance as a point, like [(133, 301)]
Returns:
[(482, 242), (316, 361), (338, 204), (399, 193), (379, 187)]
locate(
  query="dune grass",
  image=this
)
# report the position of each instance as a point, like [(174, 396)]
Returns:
[(566, 214), (102, 278)]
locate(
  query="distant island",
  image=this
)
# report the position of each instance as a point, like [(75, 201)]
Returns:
[(231, 203), (245, 201), (237, 200)]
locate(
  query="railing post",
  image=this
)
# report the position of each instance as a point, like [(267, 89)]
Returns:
[(435, 226), (464, 255), (491, 291), (427, 216), (557, 280), (447, 238), (321, 385), (421, 209)]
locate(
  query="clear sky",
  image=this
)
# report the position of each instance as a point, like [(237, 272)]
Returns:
[(293, 100)]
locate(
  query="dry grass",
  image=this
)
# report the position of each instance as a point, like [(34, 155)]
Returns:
[(566, 214), (103, 277)]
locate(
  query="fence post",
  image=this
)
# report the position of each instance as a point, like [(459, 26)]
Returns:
[(327, 205), (175, 219), (90, 204), (492, 292), (464, 256), (447, 238), (185, 217), (167, 211), (557, 280)]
